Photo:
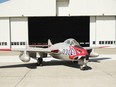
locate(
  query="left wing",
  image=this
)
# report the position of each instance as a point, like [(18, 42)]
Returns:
[(91, 50)]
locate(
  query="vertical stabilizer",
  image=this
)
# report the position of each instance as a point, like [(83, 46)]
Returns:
[(49, 43)]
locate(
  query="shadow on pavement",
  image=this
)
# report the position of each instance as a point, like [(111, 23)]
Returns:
[(53, 63), (28, 65), (48, 63), (98, 59)]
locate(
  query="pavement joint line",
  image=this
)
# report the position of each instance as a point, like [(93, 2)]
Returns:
[(108, 74), (22, 78)]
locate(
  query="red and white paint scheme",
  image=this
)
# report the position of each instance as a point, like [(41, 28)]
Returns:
[(77, 51), (70, 50)]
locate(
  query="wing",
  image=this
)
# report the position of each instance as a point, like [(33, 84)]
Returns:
[(91, 51), (30, 49), (32, 52), (33, 49), (89, 48)]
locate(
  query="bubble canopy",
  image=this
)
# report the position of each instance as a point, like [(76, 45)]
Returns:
[(72, 42)]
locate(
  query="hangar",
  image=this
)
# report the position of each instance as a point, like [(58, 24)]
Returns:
[(90, 22), (58, 29)]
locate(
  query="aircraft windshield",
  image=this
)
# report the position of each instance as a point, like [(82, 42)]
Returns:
[(71, 42)]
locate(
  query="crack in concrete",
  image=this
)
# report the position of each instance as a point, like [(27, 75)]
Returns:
[(22, 78)]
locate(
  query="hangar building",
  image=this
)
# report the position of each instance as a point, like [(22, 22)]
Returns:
[(90, 22)]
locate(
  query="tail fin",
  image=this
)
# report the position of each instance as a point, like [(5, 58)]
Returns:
[(49, 43)]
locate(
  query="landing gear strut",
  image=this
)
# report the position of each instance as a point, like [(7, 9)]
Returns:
[(39, 61), (84, 65)]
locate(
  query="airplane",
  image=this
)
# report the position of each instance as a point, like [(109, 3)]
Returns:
[(69, 50)]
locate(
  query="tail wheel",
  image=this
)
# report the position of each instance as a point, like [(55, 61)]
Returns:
[(39, 61)]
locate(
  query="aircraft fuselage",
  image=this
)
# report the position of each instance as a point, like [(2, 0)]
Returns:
[(67, 52)]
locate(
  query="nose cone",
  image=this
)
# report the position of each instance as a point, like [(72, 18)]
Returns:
[(77, 51)]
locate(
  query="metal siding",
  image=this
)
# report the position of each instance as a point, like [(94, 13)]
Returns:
[(92, 31), (62, 8), (15, 8), (105, 30), (4, 33), (92, 7), (19, 31)]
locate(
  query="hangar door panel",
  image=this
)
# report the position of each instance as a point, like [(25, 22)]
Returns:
[(4, 33), (105, 31), (19, 32)]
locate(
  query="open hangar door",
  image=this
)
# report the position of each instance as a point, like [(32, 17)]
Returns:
[(58, 29)]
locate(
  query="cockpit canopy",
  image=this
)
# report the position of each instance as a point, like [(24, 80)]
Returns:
[(72, 42)]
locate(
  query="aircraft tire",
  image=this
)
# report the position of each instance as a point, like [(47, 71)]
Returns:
[(85, 68), (39, 61)]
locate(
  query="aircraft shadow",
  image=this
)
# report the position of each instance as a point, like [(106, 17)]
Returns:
[(28, 65), (53, 63), (65, 63), (72, 64), (49, 63), (97, 60)]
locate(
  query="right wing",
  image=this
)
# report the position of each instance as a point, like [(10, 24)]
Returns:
[(32, 49)]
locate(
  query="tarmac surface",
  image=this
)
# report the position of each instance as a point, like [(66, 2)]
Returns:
[(54, 73)]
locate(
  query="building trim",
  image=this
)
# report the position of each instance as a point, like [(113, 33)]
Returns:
[(10, 30)]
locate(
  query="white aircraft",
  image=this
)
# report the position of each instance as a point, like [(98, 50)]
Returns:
[(70, 50)]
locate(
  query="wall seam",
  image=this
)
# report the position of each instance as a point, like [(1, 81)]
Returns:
[(115, 31), (10, 31), (95, 32)]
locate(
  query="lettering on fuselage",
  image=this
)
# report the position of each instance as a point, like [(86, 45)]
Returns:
[(69, 52)]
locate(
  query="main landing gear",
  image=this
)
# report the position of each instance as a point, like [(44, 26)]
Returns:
[(39, 61), (83, 66)]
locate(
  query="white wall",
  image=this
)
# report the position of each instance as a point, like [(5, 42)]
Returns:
[(92, 7), (28, 8), (92, 31), (4, 33), (62, 8), (48, 8), (19, 32), (103, 31)]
